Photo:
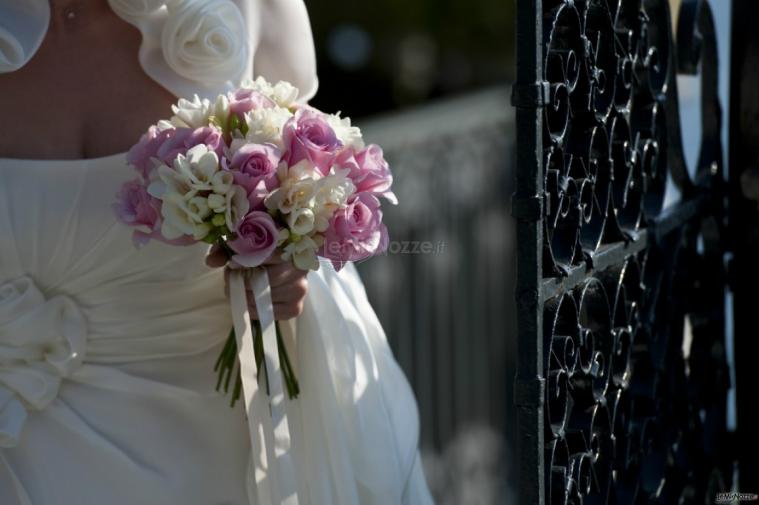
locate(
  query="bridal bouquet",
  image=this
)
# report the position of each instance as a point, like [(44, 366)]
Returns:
[(256, 174)]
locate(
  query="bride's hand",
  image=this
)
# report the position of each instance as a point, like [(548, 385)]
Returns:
[(288, 284)]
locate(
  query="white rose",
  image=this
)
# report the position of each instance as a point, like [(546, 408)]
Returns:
[(206, 40), (334, 189), (349, 135), (265, 125), (135, 8), (283, 93)]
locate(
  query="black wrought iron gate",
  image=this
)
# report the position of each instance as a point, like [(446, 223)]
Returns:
[(622, 378)]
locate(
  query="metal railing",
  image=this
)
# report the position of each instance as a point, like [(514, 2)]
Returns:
[(621, 380)]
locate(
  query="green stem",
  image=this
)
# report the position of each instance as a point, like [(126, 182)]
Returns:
[(227, 364)]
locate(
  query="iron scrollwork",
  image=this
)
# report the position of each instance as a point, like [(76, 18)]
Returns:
[(628, 414)]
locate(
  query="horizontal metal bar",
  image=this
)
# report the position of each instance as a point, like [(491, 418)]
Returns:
[(606, 256), (669, 220)]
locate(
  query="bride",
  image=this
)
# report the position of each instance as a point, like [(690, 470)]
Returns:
[(106, 352)]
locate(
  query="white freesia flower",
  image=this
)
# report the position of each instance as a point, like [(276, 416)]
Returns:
[(198, 206), (191, 113), (236, 206), (217, 202), (164, 124), (199, 166), (304, 169), (170, 182), (222, 182), (291, 195), (205, 40), (349, 135), (190, 174), (265, 125), (221, 109), (303, 253), (301, 221), (181, 218)]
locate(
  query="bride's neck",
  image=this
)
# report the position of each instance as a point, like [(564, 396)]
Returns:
[(69, 14)]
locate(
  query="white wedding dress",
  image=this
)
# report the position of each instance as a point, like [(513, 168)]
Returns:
[(106, 352)]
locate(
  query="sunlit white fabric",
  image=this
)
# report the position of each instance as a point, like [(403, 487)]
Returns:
[(190, 47), (106, 357)]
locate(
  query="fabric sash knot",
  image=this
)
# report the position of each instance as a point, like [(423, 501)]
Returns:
[(42, 341)]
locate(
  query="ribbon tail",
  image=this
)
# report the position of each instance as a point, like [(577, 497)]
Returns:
[(255, 406), (281, 467)]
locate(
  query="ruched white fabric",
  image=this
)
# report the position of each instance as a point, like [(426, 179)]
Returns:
[(106, 366), (202, 47)]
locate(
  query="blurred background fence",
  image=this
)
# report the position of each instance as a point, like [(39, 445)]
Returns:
[(444, 289), (428, 80)]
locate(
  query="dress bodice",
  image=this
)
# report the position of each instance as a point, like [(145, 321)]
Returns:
[(71, 277)]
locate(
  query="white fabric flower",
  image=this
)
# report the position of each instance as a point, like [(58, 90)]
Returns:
[(24, 25), (42, 341), (135, 8), (206, 41)]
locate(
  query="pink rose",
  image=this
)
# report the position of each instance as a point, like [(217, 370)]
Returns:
[(255, 163), (356, 232), (307, 135), (256, 239), (135, 207), (166, 145), (245, 100), (142, 153), (369, 171), (183, 139)]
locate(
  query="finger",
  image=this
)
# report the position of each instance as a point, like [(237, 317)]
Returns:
[(283, 274), (216, 257), (274, 259), (285, 311), (282, 311), (291, 292)]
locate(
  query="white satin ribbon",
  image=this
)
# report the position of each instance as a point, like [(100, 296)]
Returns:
[(269, 434)]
